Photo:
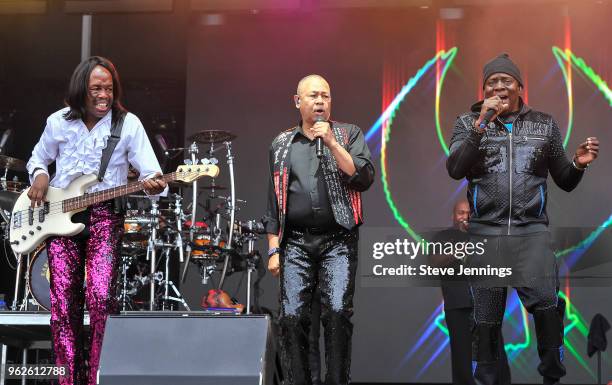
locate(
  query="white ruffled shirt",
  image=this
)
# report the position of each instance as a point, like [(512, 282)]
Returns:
[(78, 151)]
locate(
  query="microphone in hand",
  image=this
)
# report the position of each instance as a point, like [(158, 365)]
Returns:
[(319, 140), (487, 118)]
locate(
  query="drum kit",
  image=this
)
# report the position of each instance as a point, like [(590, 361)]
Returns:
[(157, 232)]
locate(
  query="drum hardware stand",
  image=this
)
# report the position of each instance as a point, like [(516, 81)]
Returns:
[(252, 259), (19, 271), (216, 231), (232, 209), (26, 293), (167, 246), (178, 213), (206, 272), (153, 244), (125, 265), (17, 281), (5, 238), (193, 150), (151, 253), (169, 284)]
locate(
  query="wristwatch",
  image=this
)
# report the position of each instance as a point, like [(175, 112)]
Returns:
[(274, 250)]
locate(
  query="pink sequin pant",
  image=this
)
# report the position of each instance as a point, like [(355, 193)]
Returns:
[(69, 258)]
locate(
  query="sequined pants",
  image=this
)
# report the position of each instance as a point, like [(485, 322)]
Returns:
[(92, 253), (328, 260)]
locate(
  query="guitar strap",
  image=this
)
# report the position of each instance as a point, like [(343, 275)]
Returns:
[(116, 127), (119, 204)]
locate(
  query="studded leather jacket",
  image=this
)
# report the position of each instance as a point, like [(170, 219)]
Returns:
[(507, 167)]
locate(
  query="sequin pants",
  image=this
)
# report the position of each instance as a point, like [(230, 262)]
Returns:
[(328, 260), (94, 251)]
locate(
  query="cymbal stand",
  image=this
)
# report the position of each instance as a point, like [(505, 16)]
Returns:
[(232, 209), (193, 150), (214, 161)]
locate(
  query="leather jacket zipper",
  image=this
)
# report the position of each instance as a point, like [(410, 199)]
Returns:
[(510, 171), (510, 174)]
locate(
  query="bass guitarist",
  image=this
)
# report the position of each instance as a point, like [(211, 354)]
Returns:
[(75, 138)]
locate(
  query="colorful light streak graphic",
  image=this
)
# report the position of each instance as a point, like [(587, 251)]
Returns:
[(442, 60), (569, 57), (385, 120)]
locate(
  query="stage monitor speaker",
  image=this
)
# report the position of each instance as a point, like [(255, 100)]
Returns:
[(186, 349)]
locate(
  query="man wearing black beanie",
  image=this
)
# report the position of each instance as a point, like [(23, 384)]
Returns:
[(506, 162)]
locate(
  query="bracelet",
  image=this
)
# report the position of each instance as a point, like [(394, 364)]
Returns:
[(274, 250), (579, 168), (478, 130)]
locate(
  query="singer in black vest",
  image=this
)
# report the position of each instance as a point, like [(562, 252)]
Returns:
[(506, 156), (314, 210)]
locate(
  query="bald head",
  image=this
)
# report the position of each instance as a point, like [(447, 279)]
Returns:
[(313, 99), (308, 80), (461, 214)]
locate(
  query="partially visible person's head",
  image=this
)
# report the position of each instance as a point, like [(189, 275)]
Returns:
[(501, 77), (94, 90), (313, 99), (461, 214)]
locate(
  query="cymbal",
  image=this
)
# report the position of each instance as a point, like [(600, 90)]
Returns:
[(212, 136), (12, 163)]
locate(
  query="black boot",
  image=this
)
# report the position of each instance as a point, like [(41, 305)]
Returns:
[(485, 352), (549, 332)]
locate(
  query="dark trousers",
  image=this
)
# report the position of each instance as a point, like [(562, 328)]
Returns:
[(459, 323), (328, 260), (489, 306), (534, 275)]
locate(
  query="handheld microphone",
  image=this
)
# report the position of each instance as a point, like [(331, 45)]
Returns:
[(487, 118), (319, 142), (5, 137)]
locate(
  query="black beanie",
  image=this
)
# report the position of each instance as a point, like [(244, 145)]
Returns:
[(501, 63)]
